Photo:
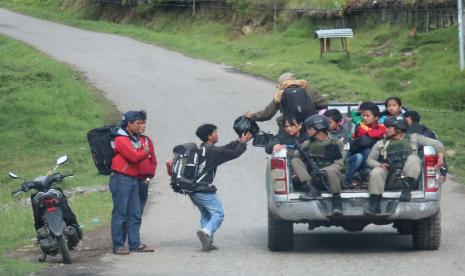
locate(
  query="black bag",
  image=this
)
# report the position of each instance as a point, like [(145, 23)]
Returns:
[(362, 143), (262, 139), (100, 146), (295, 101), (243, 125), (187, 168)]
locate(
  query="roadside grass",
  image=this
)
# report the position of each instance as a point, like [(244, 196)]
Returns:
[(384, 62), (42, 118)]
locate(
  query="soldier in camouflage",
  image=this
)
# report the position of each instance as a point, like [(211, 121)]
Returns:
[(396, 156), (327, 154)]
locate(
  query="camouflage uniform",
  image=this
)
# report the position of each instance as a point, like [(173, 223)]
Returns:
[(333, 168), (411, 168)]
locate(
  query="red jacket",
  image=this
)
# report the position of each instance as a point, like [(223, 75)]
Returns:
[(375, 131), (128, 154), (148, 166)]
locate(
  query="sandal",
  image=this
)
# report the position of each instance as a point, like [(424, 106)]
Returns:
[(121, 251), (144, 248)]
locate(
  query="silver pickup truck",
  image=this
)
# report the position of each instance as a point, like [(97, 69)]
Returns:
[(419, 217)]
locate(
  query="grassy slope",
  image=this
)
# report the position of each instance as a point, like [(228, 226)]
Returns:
[(37, 127), (384, 62)]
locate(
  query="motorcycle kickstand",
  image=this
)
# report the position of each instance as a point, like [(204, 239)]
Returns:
[(43, 258)]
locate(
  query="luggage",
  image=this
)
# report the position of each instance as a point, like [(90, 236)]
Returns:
[(187, 168), (295, 101), (243, 125), (100, 146)]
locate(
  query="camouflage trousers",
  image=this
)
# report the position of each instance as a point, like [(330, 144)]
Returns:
[(333, 173), (379, 175)]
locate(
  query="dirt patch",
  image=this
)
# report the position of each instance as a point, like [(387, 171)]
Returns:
[(86, 257)]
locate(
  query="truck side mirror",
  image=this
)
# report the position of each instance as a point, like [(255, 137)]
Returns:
[(261, 139)]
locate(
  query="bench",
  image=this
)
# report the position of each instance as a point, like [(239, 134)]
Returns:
[(326, 35)]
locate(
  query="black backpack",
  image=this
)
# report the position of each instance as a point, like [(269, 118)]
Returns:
[(100, 146), (295, 101), (188, 163)]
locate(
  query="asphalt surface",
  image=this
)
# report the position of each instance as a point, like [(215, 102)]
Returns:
[(180, 93)]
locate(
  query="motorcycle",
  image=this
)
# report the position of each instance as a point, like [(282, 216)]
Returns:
[(51, 212)]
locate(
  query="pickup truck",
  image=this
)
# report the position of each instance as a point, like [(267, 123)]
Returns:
[(419, 217)]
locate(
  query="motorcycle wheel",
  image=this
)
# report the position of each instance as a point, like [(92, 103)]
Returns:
[(64, 250)]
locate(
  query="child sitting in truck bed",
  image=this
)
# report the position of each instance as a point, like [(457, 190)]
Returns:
[(365, 136)]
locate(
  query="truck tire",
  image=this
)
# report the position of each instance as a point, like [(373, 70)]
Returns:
[(426, 233), (280, 234), (64, 250)]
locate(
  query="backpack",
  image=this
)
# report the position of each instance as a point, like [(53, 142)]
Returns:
[(188, 163), (295, 101), (100, 146)]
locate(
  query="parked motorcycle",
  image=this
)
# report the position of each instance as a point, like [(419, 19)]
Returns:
[(55, 233)]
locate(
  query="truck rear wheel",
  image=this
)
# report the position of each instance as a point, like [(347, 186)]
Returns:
[(280, 234), (426, 233)]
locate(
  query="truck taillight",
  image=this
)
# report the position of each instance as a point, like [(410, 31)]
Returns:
[(279, 175), (431, 179)]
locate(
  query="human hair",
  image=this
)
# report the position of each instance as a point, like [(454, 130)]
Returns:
[(372, 107), (396, 99), (143, 115), (415, 116), (363, 105), (204, 131), (291, 119), (334, 114)]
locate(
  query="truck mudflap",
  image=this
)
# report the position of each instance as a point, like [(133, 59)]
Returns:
[(320, 209)]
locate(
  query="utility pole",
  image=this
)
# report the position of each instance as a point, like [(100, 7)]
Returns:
[(460, 21), (274, 17), (193, 8)]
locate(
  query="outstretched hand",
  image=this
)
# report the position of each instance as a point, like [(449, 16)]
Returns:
[(245, 137), (248, 115)]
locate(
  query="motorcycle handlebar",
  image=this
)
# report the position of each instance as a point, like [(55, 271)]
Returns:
[(16, 191), (67, 174)]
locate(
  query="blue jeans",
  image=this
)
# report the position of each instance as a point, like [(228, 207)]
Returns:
[(356, 162), (211, 211), (126, 211)]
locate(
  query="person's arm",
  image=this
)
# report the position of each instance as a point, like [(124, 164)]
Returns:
[(267, 113), (153, 157), (372, 160), (436, 144), (124, 147), (319, 101), (219, 155)]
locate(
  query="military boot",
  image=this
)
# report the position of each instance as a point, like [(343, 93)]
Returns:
[(373, 208), (337, 205), (310, 192), (407, 184)]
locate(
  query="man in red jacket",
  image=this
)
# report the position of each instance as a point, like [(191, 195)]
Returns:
[(147, 167), (128, 154)]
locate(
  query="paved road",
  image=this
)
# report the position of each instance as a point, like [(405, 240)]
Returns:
[(180, 93)]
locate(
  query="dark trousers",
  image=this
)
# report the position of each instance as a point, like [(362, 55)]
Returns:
[(143, 194), (126, 211)]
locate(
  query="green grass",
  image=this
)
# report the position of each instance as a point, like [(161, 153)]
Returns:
[(38, 126), (384, 61)]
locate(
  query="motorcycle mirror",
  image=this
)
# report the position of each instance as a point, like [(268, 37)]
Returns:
[(13, 175), (62, 160)]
